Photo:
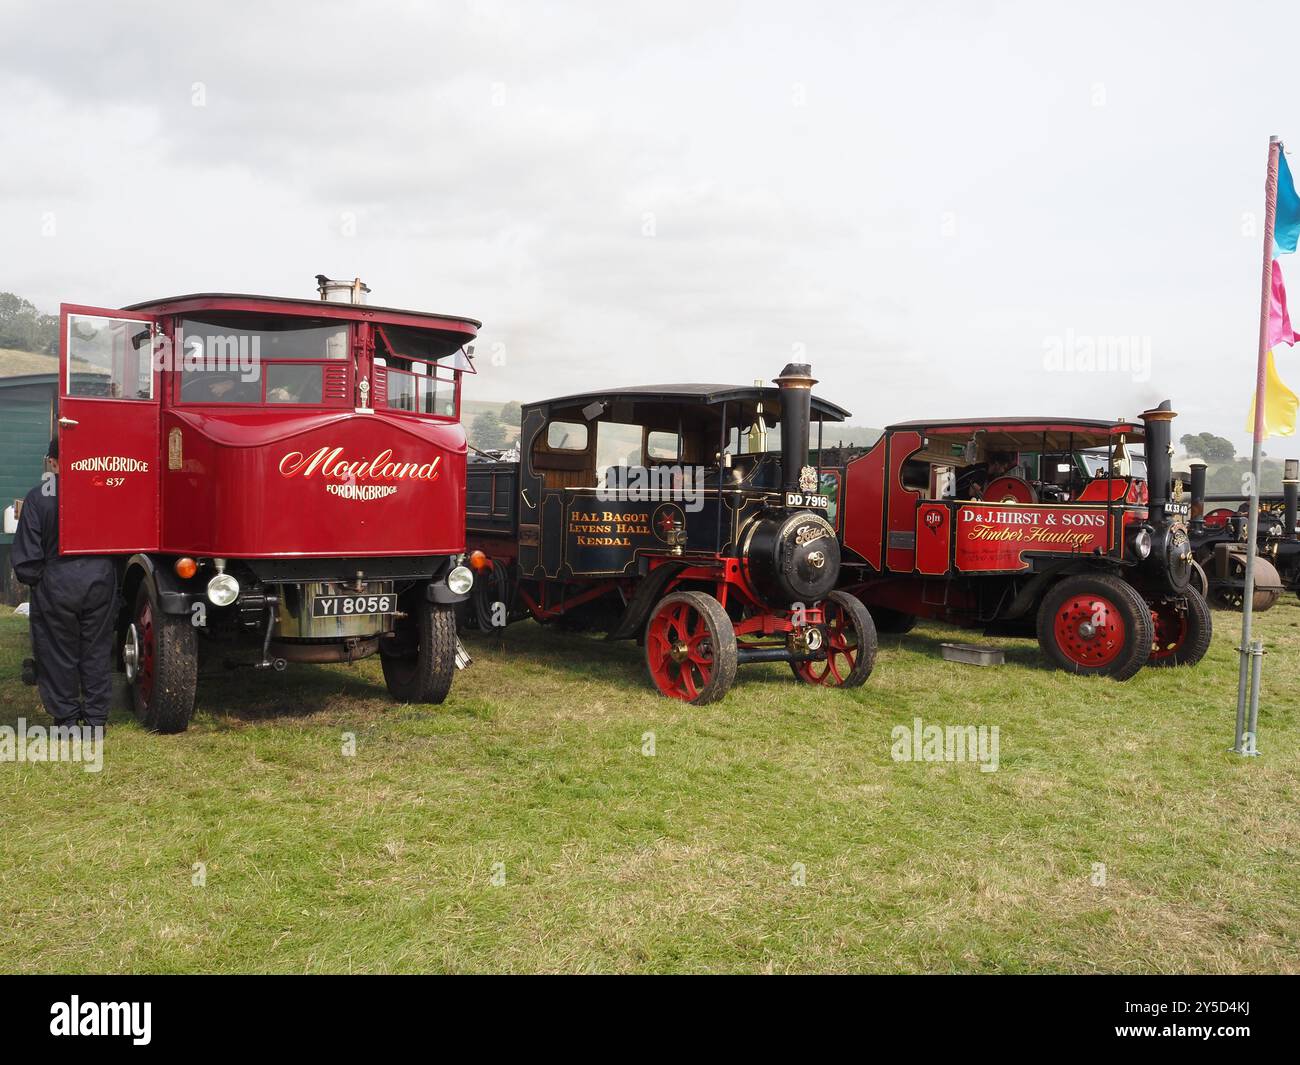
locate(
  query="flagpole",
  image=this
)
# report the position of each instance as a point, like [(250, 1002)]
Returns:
[(1248, 675)]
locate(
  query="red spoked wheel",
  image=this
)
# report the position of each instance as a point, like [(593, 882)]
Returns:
[(850, 640), (1095, 624), (690, 648), (1182, 629), (1218, 518)]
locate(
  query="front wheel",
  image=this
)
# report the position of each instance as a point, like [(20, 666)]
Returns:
[(850, 645), (690, 648), (161, 655), (1096, 624), (1183, 628), (420, 662)]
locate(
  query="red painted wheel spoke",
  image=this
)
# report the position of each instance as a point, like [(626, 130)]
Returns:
[(834, 669), (688, 681)]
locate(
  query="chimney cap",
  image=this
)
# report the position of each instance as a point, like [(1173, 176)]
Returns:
[(796, 375), (1163, 413)]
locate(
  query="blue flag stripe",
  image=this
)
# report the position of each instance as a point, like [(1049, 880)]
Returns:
[(1286, 230)]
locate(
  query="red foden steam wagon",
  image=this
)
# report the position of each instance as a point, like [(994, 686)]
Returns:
[(656, 513), (988, 524), (279, 480)]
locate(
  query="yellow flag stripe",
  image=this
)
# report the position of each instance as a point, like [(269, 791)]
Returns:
[(1280, 404)]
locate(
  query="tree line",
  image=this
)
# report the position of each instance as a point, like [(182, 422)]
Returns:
[(496, 430), (25, 328)]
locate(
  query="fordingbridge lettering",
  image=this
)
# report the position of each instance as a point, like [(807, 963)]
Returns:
[(109, 464), (332, 463)]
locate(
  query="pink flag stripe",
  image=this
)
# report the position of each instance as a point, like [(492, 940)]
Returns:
[(1279, 321)]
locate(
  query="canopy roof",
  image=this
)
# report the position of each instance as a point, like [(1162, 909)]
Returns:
[(946, 441), (313, 308), (655, 404), (1028, 434)]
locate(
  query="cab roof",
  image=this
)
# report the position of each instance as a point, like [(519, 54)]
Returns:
[(312, 308), (695, 394), (1026, 434)]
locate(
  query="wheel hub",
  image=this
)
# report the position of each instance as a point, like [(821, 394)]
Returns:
[(131, 652), (1090, 630)]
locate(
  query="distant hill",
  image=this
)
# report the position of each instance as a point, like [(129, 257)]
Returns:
[(14, 363)]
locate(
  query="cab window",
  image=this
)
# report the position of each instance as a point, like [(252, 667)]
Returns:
[(422, 376), (617, 444), (258, 358), (109, 358), (566, 436), (662, 446)]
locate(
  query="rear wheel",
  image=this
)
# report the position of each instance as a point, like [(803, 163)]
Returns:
[(850, 645), (690, 648), (421, 660), (1182, 630), (161, 655), (1095, 624), (490, 597)]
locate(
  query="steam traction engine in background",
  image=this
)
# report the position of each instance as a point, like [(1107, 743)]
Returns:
[(941, 520), (656, 514), (1220, 536), (279, 480)]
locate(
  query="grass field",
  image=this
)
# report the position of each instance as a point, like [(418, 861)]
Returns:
[(520, 827)]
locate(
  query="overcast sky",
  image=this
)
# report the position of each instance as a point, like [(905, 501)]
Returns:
[(931, 202)]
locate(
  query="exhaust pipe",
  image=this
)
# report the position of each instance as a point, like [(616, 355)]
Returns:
[(1197, 516), (1290, 493), (1159, 452), (354, 291), (796, 382)]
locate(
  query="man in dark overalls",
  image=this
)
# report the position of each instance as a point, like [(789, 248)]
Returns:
[(72, 602)]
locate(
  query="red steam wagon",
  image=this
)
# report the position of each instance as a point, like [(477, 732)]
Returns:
[(656, 513), (278, 480), (994, 524)]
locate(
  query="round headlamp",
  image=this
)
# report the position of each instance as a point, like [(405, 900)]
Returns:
[(223, 589), (1141, 542), (460, 580)]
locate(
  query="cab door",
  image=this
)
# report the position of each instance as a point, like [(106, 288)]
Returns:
[(109, 481)]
